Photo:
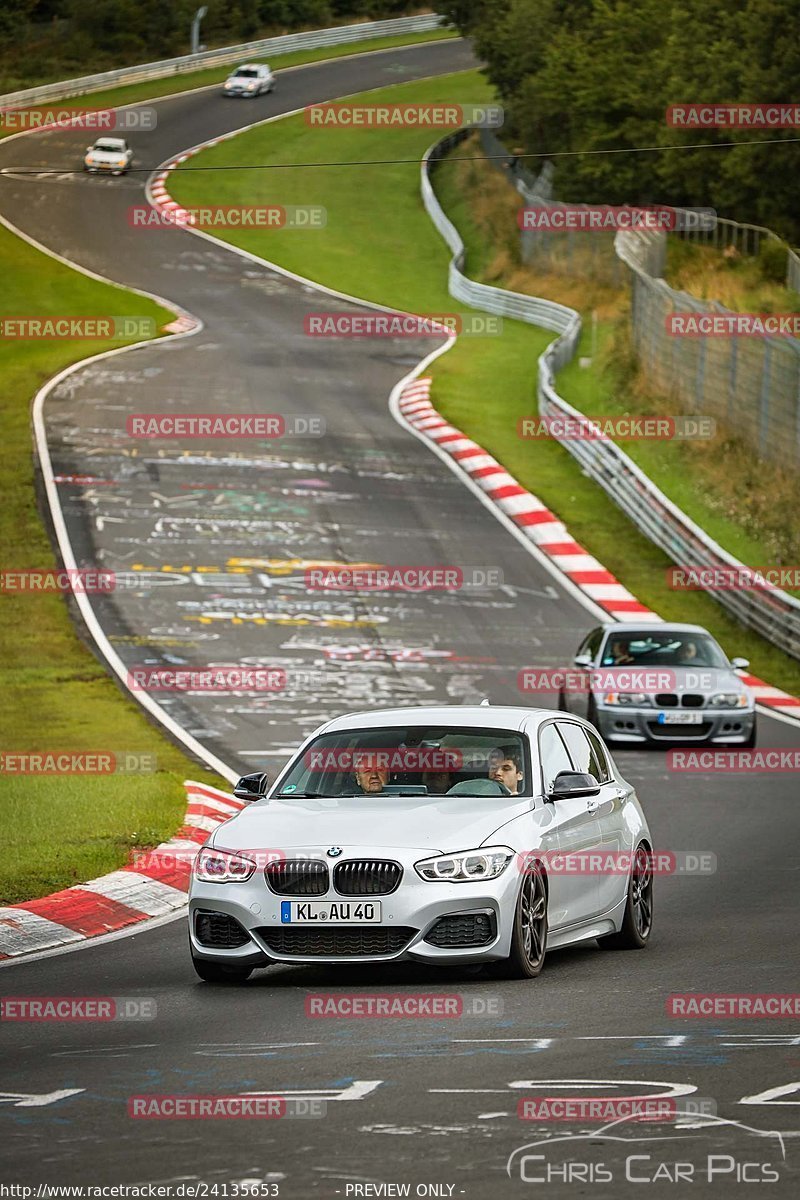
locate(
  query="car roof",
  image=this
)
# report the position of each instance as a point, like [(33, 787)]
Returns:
[(111, 140), (248, 67), (486, 716), (653, 627)]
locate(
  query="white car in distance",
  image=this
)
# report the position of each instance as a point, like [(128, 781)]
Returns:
[(112, 155), (251, 79)]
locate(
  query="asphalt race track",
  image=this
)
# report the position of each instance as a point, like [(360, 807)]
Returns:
[(422, 1102)]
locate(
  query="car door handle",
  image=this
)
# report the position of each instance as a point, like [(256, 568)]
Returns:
[(592, 805)]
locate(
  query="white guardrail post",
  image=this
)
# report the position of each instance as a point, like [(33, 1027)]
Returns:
[(226, 55), (769, 611)]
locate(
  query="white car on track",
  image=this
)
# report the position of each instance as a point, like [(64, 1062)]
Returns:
[(113, 155), (430, 834), (252, 79)]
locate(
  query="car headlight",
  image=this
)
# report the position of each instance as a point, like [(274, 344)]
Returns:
[(467, 866), (120, 162), (220, 866), (630, 698), (251, 87), (728, 700), (88, 159)]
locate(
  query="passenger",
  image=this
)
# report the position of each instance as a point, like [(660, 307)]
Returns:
[(505, 766), (687, 652)]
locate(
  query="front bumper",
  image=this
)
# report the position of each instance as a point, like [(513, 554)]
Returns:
[(408, 917), (725, 727)]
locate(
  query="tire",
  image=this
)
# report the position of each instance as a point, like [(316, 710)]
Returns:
[(591, 713), (529, 938), (562, 704), (637, 923), (214, 972)]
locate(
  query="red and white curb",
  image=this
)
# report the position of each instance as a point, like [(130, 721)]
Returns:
[(160, 197), (772, 697), (526, 511), (163, 202), (181, 325), (543, 527), (153, 887)]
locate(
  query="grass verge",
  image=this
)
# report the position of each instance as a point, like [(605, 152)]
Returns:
[(380, 244), (61, 829)]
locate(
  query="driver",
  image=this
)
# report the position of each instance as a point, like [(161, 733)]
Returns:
[(505, 766), (619, 653), (687, 652), (371, 780)]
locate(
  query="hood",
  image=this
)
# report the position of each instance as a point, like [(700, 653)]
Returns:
[(699, 680), (106, 156), (705, 680), (423, 823)]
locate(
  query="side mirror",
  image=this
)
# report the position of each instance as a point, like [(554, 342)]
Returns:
[(582, 660), (740, 664), (573, 783), (88, 148), (252, 787)]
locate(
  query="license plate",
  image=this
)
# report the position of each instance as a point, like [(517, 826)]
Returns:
[(680, 718), (336, 911)]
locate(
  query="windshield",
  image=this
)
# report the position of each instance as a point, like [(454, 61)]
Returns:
[(109, 147), (245, 73), (669, 648), (410, 760)]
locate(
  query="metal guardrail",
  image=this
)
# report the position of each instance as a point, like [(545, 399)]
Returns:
[(772, 613), (480, 295), (337, 36), (793, 271)]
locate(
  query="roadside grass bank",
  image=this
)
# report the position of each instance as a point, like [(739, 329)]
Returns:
[(379, 244), (744, 283), (752, 512), (62, 829), (151, 89)]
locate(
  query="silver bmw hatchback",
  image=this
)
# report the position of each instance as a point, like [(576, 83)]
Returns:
[(444, 835)]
